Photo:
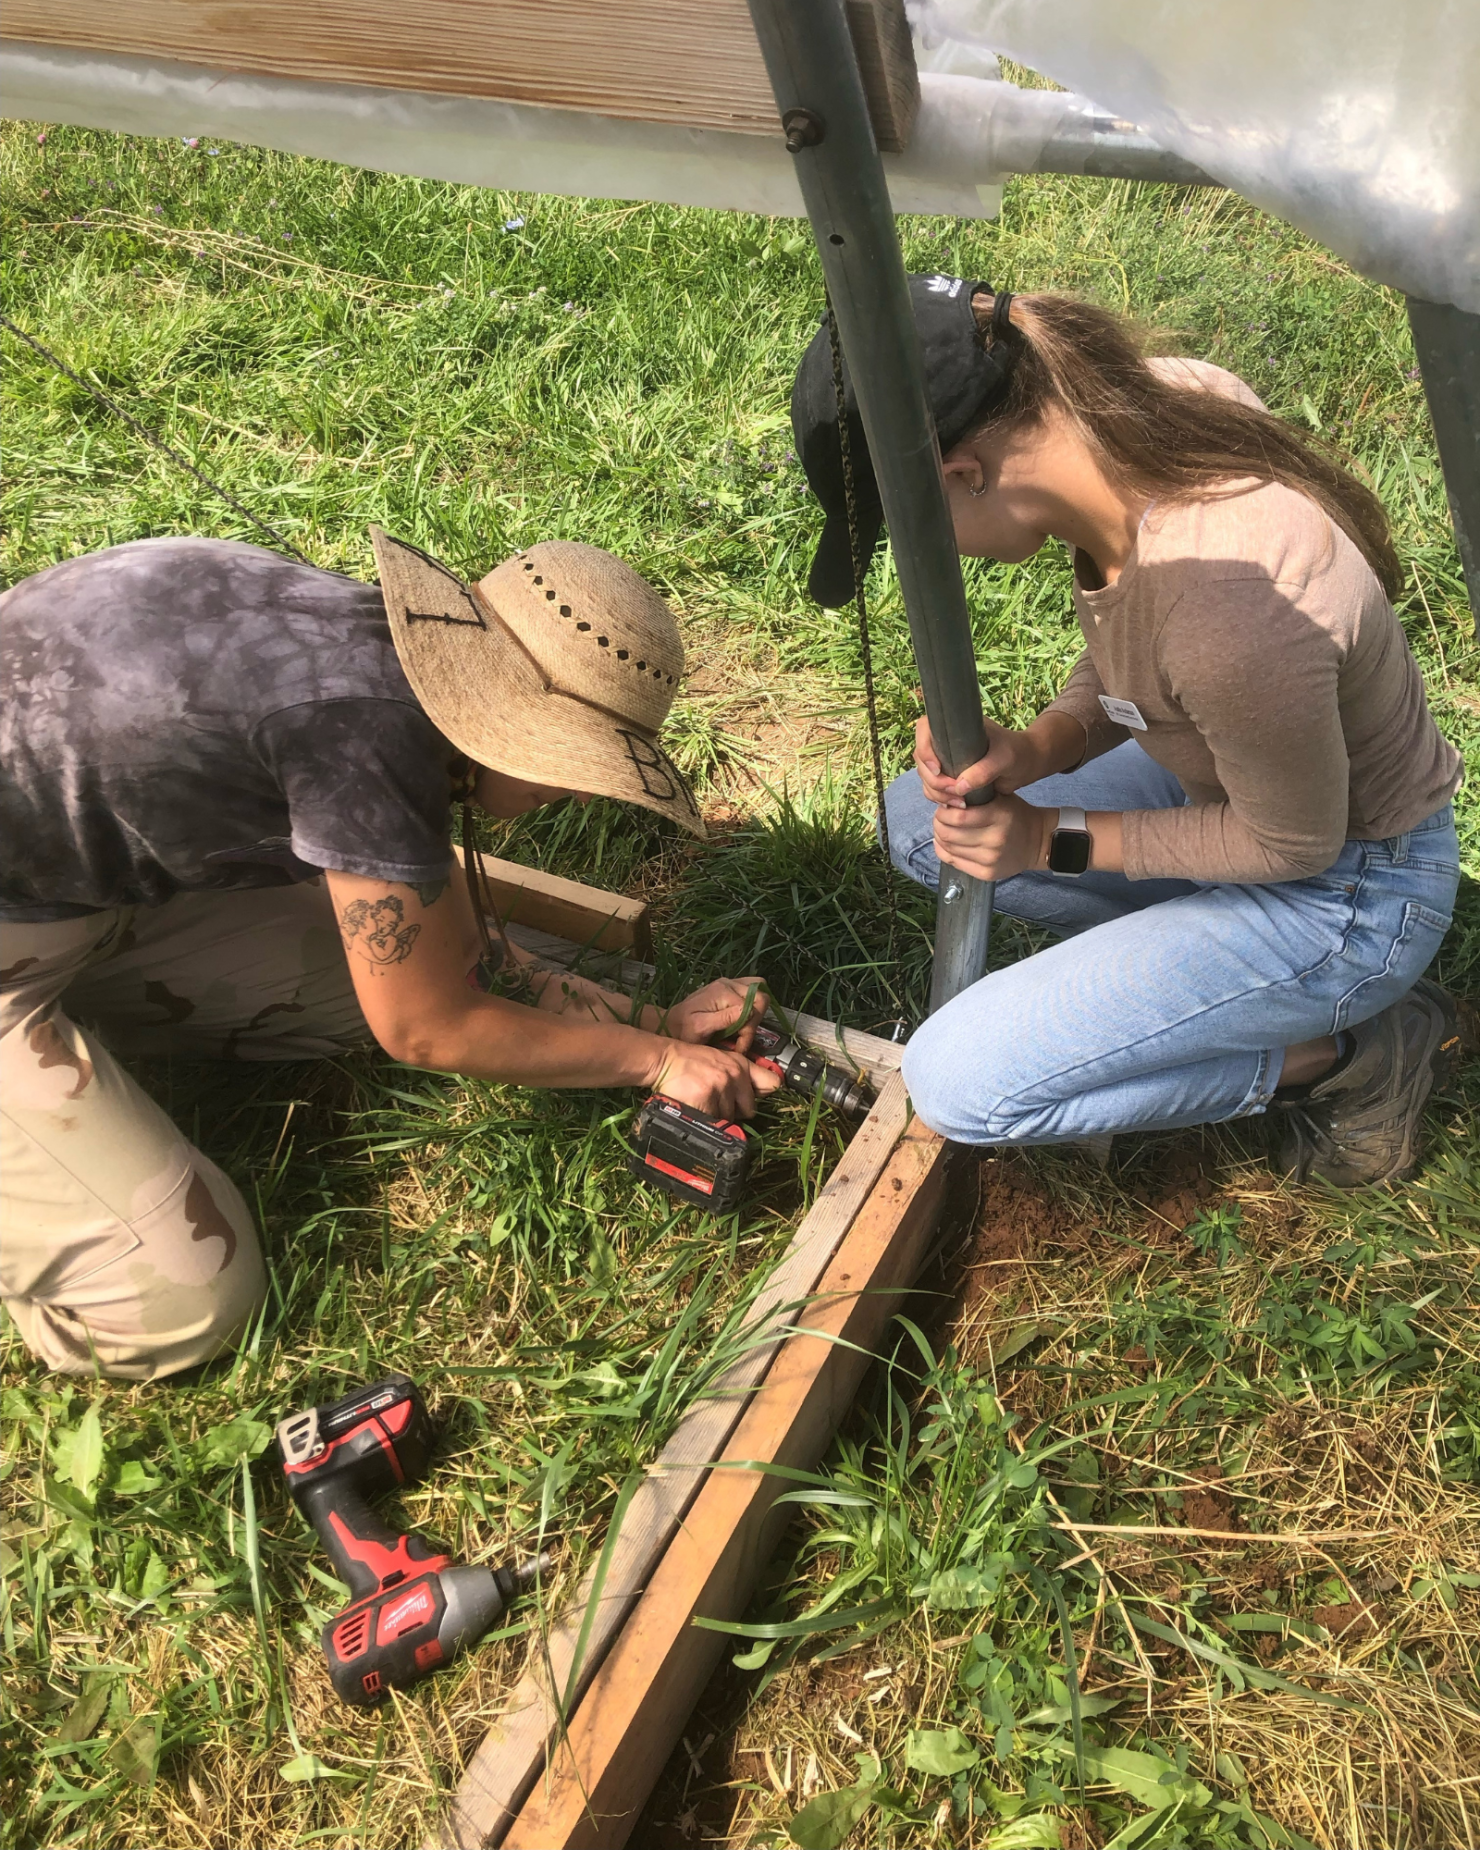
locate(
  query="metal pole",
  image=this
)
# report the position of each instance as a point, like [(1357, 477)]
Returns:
[(1089, 141), (1447, 342), (814, 74)]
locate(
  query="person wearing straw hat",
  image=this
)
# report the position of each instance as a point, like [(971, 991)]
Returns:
[(225, 781)]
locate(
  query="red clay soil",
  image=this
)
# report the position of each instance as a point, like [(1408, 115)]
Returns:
[(1209, 1508), (1013, 1219)]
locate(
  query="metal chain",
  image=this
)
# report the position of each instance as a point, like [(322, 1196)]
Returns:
[(149, 437), (865, 640)]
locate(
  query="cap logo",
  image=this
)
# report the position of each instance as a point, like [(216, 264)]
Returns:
[(948, 286), (651, 762)]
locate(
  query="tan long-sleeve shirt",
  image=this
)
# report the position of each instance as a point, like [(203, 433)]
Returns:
[(1272, 679)]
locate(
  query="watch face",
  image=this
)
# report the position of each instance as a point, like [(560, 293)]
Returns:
[(1068, 851)]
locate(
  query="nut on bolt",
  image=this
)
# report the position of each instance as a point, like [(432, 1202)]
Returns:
[(802, 128)]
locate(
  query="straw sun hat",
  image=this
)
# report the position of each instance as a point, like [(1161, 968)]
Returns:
[(559, 667)]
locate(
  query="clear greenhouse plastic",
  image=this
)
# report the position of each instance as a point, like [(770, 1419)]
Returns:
[(1357, 120)]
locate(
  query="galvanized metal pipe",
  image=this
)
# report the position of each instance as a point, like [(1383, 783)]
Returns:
[(975, 129), (814, 73), (1089, 141), (1447, 342)]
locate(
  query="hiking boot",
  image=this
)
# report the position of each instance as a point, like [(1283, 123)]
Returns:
[(1361, 1122)]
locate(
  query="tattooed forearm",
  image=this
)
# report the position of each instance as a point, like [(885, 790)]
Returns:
[(378, 929)]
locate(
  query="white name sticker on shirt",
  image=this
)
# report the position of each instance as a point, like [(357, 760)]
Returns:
[(1123, 712)]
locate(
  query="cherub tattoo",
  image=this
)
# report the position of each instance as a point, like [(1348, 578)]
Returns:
[(379, 930)]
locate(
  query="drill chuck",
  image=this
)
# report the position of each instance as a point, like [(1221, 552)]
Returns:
[(804, 1071)]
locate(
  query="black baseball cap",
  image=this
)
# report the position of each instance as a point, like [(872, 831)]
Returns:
[(964, 377)]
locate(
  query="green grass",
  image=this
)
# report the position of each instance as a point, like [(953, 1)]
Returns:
[(1277, 1365), (340, 348)]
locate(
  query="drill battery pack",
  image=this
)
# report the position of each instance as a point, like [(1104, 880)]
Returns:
[(689, 1154)]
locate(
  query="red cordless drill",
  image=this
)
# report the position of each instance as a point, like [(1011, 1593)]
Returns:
[(804, 1071), (705, 1160), (413, 1607)]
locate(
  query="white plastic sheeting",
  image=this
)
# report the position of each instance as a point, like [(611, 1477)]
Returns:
[(1357, 120), (970, 131)]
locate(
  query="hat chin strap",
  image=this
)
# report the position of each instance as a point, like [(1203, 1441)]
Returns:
[(480, 894)]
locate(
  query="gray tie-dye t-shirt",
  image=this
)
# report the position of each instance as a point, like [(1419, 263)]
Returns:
[(188, 714)]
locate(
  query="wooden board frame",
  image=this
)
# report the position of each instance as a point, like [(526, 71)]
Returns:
[(634, 1711), (698, 1530), (586, 916), (693, 62)]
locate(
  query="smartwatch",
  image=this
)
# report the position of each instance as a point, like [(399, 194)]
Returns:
[(1069, 845)]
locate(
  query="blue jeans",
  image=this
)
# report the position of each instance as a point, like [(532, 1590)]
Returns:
[(1171, 1001)]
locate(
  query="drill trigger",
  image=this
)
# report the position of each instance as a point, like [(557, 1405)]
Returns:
[(390, 1566)]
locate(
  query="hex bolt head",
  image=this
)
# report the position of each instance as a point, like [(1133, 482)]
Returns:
[(802, 129)]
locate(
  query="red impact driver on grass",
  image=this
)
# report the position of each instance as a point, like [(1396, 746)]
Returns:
[(705, 1160), (414, 1608)]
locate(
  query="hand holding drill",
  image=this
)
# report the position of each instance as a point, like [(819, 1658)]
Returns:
[(717, 1079), (703, 1158)]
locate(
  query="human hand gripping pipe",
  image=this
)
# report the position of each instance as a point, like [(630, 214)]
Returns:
[(824, 117)]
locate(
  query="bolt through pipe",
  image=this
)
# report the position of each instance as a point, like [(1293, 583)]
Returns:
[(820, 97)]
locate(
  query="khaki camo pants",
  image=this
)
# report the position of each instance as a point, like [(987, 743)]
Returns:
[(123, 1250)]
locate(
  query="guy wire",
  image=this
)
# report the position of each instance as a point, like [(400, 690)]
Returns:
[(865, 638), (158, 442)]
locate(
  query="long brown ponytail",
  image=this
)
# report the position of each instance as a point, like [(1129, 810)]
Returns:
[(1162, 439)]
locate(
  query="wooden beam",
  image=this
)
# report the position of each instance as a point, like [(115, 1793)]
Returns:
[(595, 913), (632, 1715), (587, 916), (694, 62), (512, 1757)]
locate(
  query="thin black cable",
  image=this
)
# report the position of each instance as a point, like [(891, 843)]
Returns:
[(149, 437), (865, 638)]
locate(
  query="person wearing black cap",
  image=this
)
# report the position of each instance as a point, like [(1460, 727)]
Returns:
[(1237, 813)]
